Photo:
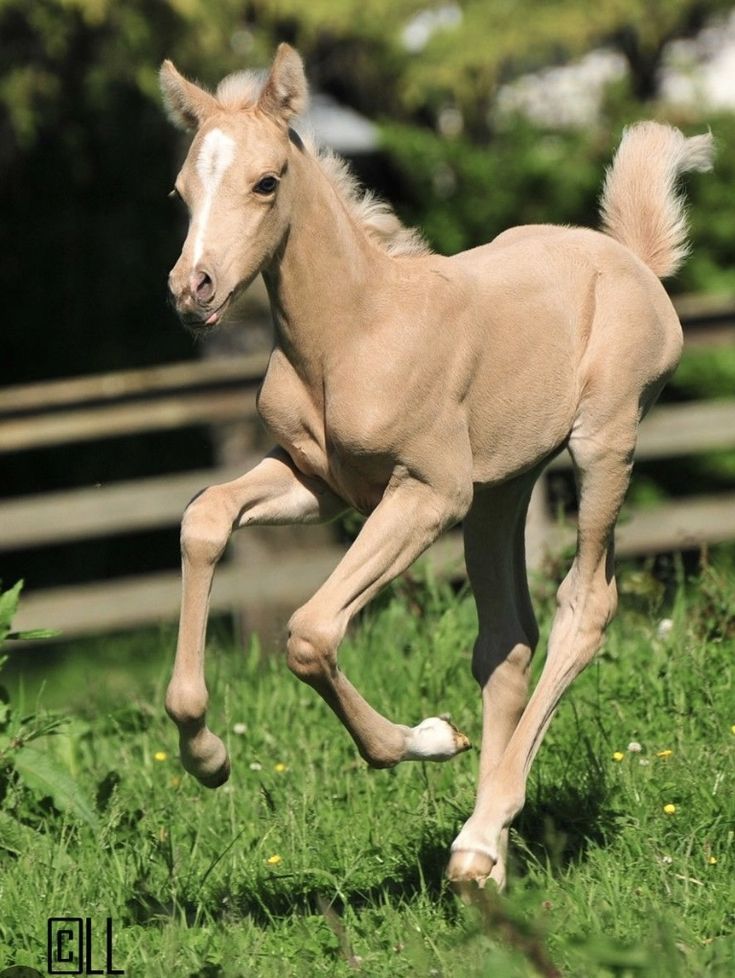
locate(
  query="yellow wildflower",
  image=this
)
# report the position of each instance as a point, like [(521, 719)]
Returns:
[(160, 755), (618, 755), (712, 860), (670, 809), (664, 753), (280, 767), (732, 728), (274, 860)]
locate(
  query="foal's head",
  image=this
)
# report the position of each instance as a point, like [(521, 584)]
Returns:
[(234, 181)]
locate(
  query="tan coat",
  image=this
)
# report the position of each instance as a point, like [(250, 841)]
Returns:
[(422, 390)]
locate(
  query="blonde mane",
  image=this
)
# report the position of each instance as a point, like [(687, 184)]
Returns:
[(376, 217)]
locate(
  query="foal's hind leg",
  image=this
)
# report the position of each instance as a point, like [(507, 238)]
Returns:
[(586, 600), (494, 532)]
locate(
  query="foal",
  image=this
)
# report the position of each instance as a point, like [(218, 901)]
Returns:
[(421, 390)]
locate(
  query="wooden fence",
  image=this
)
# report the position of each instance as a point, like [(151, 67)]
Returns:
[(222, 391)]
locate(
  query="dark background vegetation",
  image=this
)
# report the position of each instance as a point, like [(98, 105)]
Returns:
[(87, 159)]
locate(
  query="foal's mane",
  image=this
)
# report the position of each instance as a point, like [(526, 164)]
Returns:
[(376, 217)]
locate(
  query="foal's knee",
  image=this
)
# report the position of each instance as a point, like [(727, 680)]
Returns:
[(205, 527), (311, 647)]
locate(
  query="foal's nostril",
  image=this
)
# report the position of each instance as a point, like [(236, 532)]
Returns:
[(202, 285)]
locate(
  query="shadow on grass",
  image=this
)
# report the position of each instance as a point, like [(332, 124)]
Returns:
[(286, 895), (558, 826), (561, 821), (423, 875), (554, 831)]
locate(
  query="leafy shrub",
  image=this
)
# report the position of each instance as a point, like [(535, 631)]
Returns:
[(462, 194), (32, 780)]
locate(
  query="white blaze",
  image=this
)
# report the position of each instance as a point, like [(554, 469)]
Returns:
[(215, 157)]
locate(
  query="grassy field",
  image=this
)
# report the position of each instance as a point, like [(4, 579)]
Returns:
[(309, 864)]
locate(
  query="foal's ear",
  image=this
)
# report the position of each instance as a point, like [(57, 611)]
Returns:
[(187, 105), (285, 93)]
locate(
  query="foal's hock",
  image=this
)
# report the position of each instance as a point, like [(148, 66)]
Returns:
[(421, 390)]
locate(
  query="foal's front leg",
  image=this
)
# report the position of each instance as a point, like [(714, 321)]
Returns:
[(274, 492), (408, 519)]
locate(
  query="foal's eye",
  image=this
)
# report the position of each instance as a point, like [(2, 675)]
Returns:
[(266, 186)]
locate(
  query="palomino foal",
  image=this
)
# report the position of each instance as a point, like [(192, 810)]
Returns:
[(421, 390)]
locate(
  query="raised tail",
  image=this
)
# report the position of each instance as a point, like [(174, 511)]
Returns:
[(640, 205)]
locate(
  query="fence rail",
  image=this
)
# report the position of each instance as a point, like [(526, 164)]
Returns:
[(215, 392)]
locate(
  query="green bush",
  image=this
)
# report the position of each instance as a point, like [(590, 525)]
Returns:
[(463, 194)]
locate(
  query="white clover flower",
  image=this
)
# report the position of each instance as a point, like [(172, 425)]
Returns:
[(664, 627)]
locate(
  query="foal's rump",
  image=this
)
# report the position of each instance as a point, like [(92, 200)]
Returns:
[(567, 312), (608, 281)]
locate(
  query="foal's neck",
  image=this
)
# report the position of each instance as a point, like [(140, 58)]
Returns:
[(320, 282)]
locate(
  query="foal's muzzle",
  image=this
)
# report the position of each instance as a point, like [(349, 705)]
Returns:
[(194, 298)]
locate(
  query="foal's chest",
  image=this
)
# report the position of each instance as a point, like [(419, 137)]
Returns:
[(295, 413)]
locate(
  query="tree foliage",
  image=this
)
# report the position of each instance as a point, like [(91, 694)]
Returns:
[(86, 157)]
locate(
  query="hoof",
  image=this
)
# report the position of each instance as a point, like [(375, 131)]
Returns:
[(218, 778), (435, 739), (205, 758), (468, 872)]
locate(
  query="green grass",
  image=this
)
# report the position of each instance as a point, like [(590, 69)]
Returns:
[(601, 876)]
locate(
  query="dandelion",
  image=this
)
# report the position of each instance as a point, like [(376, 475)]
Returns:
[(634, 747), (618, 755), (160, 755), (711, 860), (664, 753), (239, 728), (732, 729), (670, 809), (274, 860), (280, 767)]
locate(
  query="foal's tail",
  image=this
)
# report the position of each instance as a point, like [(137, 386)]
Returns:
[(640, 205)]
